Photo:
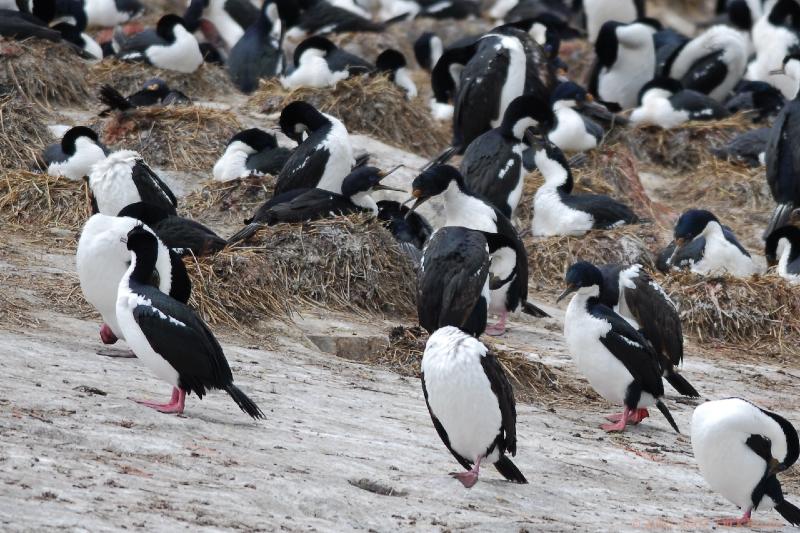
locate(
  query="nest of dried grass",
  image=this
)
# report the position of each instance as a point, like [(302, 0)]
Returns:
[(533, 381), (128, 77), (229, 202), (43, 72), (176, 137), (23, 132), (33, 200), (346, 264), (372, 105), (760, 313)]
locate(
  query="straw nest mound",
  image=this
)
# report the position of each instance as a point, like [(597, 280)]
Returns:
[(371, 105), (229, 202), (32, 200), (346, 264), (682, 149), (175, 137), (43, 72), (128, 77), (23, 132), (760, 313), (533, 381)]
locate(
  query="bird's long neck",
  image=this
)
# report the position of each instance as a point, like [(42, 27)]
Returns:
[(143, 262)]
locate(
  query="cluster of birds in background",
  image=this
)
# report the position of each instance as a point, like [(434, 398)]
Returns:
[(513, 109)]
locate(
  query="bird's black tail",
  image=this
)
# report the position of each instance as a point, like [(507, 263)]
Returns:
[(780, 217), (396, 19), (113, 99), (245, 233), (509, 470), (245, 404), (667, 415), (361, 160), (530, 309), (789, 512), (680, 384)]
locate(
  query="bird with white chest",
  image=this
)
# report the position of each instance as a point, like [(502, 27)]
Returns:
[(471, 404), (782, 250), (251, 151), (75, 155), (740, 448), (571, 131), (170, 46), (618, 361)]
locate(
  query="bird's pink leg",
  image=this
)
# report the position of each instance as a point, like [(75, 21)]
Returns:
[(470, 477), (499, 328), (638, 416), (619, 426), (175, 405), (735, 522), (106, 335)]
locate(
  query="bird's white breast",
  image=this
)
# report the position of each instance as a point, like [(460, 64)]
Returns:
[(341, 159), (514, 84), (313, 71), (228, 29), (657, 110), (720, 256), (87, 153), (183, 55), (623, 81), (570, 132), (233, 163), (552, 217)]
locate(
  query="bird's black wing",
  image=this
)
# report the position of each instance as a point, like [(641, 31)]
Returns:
[(185, 234), (698, 105), (441, 431), (783, 156), (269, 161), (657, 316), (138, 42), (632, 349), (311, 205), (605, 210), (339, 60), (505, 398), (609, 291), (706, 74), (54, 154), (489, 166), (181, 286), (254, 57), (151, 189), (305, 167), (325, 18), (243, 12), (731, 238), (20, 26), (180, 337), (509, 233)]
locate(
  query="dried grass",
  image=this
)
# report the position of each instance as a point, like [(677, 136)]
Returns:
[(371, 105), (175, 137), (229, 202), (760, 314), (43, 72), (350, 264), (23, 132), (127, 77), (37, 201)]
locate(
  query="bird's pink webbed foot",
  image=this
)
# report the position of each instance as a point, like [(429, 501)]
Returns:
[(470, 477), (495, 330), (175, 405), (636, 416), (106, 335), (735, 522), (621, 423)]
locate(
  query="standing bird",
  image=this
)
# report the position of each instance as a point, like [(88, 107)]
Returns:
[(665, 103), (616, 359), (749, 148), (598, 12), (783, 164), (258, 54), (251, 151), (492, 165), (788, 263), (721, 253), (320, 63), (639, 299), (155, 91), (170, 46), (123, 178), (740, 448), (102, 260), (559, 211), (509, 257), (626, 60), (320, 161), (471, 404), (75, 155), (167, 335)]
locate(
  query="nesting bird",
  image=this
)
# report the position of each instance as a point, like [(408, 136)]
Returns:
[(787, 240), (251, 151), (75, 155), (665, 103), (170, 46)]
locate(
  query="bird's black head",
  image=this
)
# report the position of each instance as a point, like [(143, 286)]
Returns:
[(662, 84), (390, 61), (255, 138), (166, 26), (73, 134), (739, 14), (691, 224), (605, 47), (433, 182), (569, 91), (132, 7), (791, 234), (157, 86), (289, 11), (317, 44), (527, 111), (44, 10), (582, 275), (144, 246), (365, 179), (423, 48), (146, 212), (300, 117)]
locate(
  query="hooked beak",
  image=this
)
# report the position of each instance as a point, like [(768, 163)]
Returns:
[(418, 194), (152, 87), (777, 72), (382, 175), (775, 467), (589, 97), (569, 290)]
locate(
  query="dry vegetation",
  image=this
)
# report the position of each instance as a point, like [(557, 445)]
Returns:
[(23, 132), (206, 82), (38, 201)]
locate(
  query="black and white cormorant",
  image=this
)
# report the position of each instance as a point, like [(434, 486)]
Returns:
[(410, 229), (783, 164), (775, 36), (618, 361), (154, 92), (320, 161), (559, 211), (320, 63), (179, 234), (319, 17), (228, 18), (740, 448), (664, 102), (509, 258), (74, 156), (170, 46), (102, 260), (258, 54), (721, 252), (428, 48), (749, 147), (122, 179), (251, 151), (598, 12), (471, 404), (110, 13), (639, 299), (393, 63), (757, 98), (788, 263), (571, 130), (168, 336), (492, 165)]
